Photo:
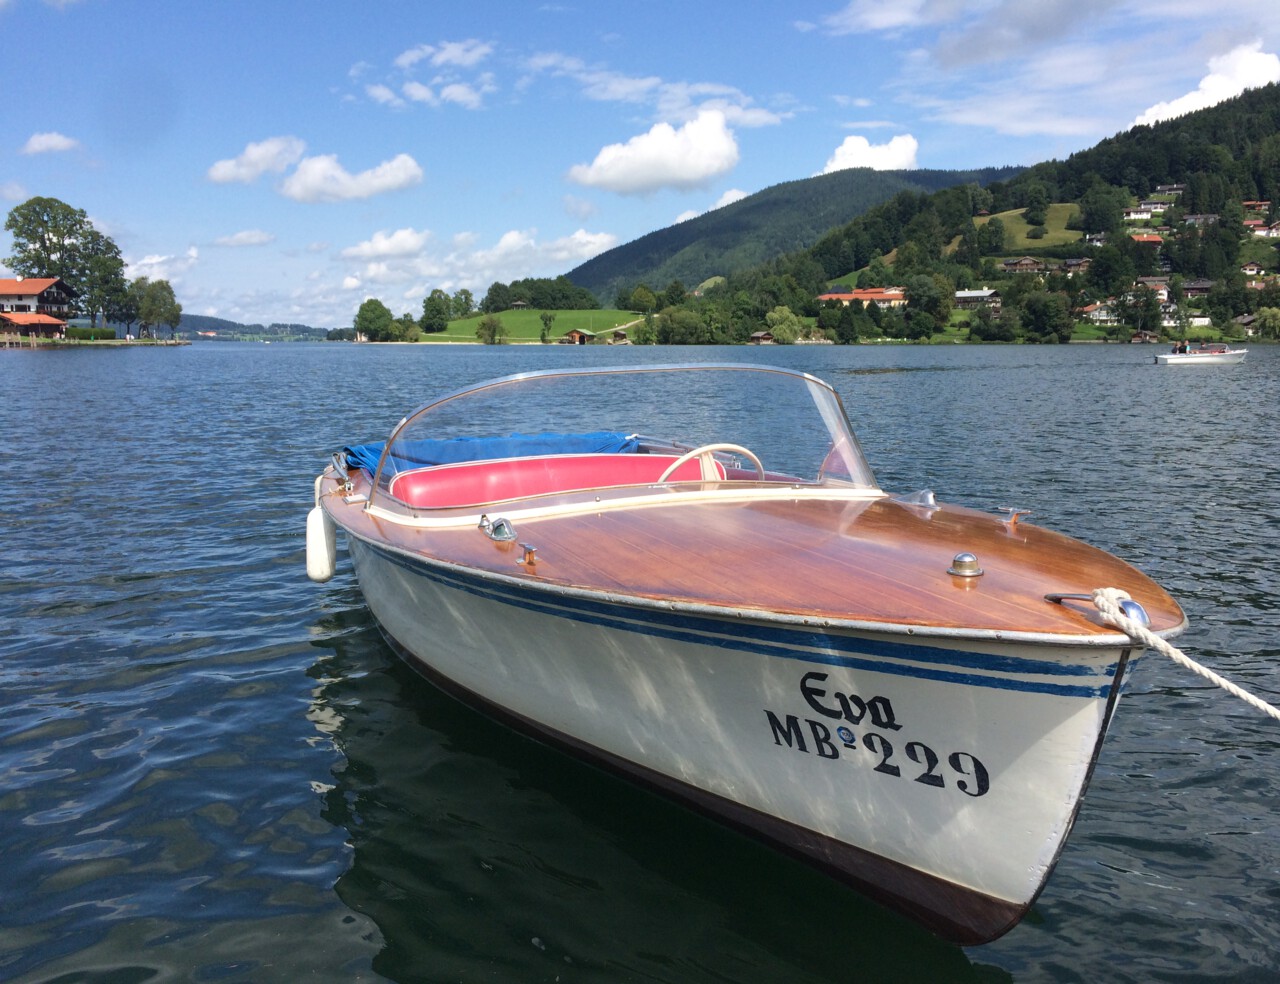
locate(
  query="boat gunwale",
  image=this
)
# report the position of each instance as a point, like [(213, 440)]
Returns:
[(598, 498), (728, 613)]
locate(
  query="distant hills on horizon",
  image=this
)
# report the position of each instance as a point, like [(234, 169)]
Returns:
[(781, 219), (1232, 147)]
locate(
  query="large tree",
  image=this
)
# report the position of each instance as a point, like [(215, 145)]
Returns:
[(374, 321), (48, 236), (1045, 317), (463, 303), (1140, 310), (159, 307), (104, 290), (129, 306), (52, 239), (436, 308), (1102, 207)]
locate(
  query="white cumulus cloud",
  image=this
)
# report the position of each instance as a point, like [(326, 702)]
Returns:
[(248, 237), (899, 154), (466, 94), (323, 179), (728, 198), (402, 242), (461, 53), (383, 95), (1246, 66), (412, 258), (861, 16), (48, 143), (664, 157), (273, 155), (579, 246), (156, 266), (420, 93), (464, 54)]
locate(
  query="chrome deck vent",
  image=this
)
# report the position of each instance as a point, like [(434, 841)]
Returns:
[(965, 565)]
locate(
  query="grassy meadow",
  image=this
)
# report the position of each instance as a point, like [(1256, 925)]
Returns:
[(526, 326), (1056, 232)]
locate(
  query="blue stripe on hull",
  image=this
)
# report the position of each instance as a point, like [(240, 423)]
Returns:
[(831, 649)]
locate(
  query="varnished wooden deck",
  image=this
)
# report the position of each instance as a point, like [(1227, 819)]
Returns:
[(873, 561)]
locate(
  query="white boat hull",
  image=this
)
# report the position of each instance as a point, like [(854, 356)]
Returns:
[(941, 776), (1228, 358)]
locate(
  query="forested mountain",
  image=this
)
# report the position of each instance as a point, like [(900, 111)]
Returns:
[(1219, 158), (1202, 252), (782, 219), (1229, 152)]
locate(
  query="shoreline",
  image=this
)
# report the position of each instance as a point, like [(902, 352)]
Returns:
[(35, 342)]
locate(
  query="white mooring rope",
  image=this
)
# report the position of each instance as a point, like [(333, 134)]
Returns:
[(1108, 601)]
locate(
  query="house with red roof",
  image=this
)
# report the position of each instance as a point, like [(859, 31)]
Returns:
[(35, 305), (885, 297)]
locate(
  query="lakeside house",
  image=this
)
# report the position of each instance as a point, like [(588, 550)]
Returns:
[(970, 300), (35, 306), (884, 297)]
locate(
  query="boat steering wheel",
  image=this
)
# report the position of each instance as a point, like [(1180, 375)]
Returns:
[(708, 463)]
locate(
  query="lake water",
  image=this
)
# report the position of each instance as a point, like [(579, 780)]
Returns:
[(212, 769)]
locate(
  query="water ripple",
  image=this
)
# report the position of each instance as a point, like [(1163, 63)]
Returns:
[(211, 768)]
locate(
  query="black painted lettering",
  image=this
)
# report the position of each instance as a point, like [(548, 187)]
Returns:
[(812, 693), (881, 746), (791, 735), (882, 713), (822, 743), (853, 706), (922, 754), (968, 765)]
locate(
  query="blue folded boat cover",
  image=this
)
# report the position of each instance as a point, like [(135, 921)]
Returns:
[(429, 451)]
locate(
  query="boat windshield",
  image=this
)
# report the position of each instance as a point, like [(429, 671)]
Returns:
[(544, 432)]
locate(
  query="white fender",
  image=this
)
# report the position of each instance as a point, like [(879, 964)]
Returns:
[(322, 545)]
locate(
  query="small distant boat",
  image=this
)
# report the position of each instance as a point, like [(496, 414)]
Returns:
[(712, 596), (1214, 354)]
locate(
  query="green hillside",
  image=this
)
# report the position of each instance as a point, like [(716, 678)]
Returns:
[(761, 227), (1212, 179)]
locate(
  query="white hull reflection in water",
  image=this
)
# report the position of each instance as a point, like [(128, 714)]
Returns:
[(785, 648)]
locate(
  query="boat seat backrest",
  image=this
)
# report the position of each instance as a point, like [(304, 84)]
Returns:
[(476, 483)]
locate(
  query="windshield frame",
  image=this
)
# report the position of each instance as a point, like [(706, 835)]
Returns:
[(843, 465)]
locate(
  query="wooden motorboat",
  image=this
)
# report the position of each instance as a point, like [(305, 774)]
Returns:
[(712, 596)]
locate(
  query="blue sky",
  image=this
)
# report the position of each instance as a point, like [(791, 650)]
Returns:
[(283, 160)]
